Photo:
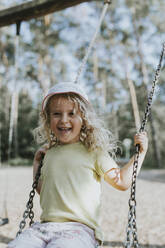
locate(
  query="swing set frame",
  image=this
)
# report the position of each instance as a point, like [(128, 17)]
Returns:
[(34, 9)]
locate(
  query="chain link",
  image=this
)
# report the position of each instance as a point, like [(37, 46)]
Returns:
[(131, 231), (29, 206)]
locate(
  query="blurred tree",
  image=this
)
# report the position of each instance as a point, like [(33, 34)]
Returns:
[(27, 121), (52, 49), (139, 29)]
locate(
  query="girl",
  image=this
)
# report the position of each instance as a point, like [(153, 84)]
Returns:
[(76, 158)]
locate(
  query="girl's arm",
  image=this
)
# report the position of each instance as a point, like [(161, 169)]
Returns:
[(36, 163), (121, 178)]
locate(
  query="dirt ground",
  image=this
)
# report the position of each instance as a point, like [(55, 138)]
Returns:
[(16, 184)]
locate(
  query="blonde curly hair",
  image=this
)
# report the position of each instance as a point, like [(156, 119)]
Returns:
[(94, 135)]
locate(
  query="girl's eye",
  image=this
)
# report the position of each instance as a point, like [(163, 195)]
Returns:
[(71, 113), (56, 113)]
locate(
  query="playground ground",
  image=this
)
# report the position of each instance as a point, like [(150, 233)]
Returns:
[(16, 183)]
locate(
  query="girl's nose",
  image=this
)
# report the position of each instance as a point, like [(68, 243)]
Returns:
[(64, 118)]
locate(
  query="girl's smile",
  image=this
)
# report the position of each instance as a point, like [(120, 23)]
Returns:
[(65, 120)]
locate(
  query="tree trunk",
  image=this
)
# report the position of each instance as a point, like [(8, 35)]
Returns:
[(134, 103), (16, 124), (0, 149), (14, 106), (44, 80), (34, 9), (133, 99), (95, 66), (115, 123), (11, 125), (155, 144)]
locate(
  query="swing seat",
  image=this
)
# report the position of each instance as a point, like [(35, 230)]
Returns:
[(4, 221)]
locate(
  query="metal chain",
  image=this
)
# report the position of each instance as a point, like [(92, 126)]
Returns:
[(91, 44), (29, 206), (131, 232)]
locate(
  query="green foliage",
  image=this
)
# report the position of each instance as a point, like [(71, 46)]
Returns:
[(20, 162), (27, 121)]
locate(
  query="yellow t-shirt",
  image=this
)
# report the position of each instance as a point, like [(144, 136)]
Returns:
[(71, 188)]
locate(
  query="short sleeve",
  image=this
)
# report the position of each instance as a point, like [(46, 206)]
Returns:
[(104, 162), (42, 170)]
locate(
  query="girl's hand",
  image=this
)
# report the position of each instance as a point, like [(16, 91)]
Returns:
[(142, 140), (40, 153)]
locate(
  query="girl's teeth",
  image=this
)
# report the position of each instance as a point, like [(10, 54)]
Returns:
[(64, 129)]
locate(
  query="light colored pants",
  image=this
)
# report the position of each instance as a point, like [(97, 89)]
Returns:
[(56, 235)]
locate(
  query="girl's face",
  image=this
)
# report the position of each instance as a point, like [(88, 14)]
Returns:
[(65, 120)]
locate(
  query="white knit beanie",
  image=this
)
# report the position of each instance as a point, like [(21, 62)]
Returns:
[(62, 88)]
